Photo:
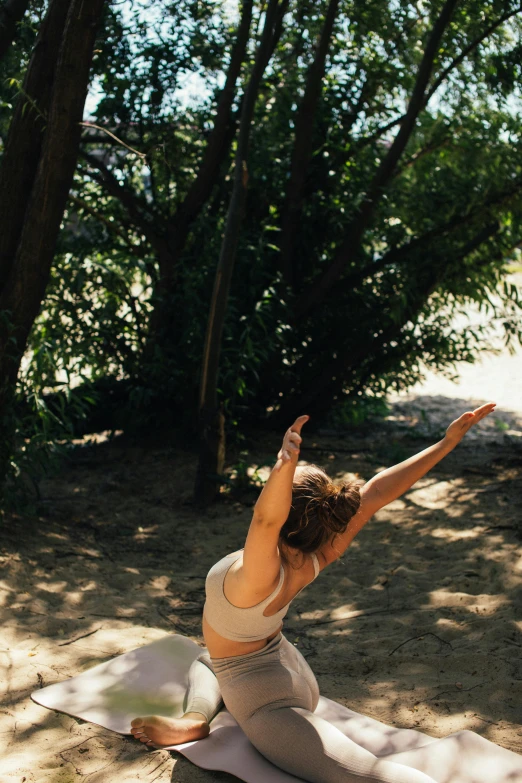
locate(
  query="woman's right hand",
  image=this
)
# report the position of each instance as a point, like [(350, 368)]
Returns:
[(289, 451), (458, 428)]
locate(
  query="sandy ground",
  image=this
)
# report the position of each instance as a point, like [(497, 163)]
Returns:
[(420, 624)]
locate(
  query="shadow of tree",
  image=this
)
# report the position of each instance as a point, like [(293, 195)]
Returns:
[(418, 625)]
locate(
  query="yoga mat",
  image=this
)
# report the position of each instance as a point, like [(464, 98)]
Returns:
[(153, 679)]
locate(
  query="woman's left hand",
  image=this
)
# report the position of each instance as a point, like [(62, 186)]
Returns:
[(289, 451), (458, 428)]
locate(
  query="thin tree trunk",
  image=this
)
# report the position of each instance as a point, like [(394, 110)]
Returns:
[(24, 288), (316, 292), (215, 151), (11, 14), (211, 419), (169, 239), (303, 144)]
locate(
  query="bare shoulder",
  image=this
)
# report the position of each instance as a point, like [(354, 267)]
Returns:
[(327, 554), (337, 546)]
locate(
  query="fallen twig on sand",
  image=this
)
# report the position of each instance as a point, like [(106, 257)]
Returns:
[(77, 638), (421, 636)]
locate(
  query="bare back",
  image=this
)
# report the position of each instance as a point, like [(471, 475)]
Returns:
[(242, 593)]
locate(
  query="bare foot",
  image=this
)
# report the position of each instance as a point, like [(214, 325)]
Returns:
[(156, 730)]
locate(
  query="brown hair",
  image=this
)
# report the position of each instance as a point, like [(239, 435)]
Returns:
[(319, 510)]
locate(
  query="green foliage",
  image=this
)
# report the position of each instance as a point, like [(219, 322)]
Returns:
[(13, 65), (34, 433), (357, 410), (441, 236), (243, 480)]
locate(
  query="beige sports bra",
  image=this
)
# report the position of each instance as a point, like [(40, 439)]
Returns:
[(236, 623)]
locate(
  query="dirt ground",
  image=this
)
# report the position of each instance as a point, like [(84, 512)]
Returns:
[(419, 625)]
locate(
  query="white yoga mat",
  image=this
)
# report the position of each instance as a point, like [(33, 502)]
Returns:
[(153, 679)]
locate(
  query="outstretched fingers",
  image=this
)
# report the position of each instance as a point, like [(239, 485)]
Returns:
[(458, 428), (473, 417), (482, 411), (298, 424)]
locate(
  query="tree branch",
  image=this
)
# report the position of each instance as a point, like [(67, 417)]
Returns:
[(397, 254), (483, 236), (315, 293), (137, 210), (429, 148), (473, 45), (114, 138), (217, 145), (445, 73), (302, 149), (111, 225), (331, 379)]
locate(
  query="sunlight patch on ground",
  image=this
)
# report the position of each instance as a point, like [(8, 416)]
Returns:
[(482, 601), (451, 534), (51, 587), (436, 496), (448, 624), (74, 598), (343, 612), (259, 473)]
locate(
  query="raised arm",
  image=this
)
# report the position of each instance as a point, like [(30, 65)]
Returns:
[(395, 481), (261, 559), (273, 504)]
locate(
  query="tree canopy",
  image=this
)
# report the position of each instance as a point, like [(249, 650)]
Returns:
[(383, 200)]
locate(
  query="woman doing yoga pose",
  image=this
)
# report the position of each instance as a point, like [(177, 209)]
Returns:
[(301, 523)]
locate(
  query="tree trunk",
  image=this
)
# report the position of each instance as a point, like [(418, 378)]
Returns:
[(303, 144), (169, 239), (214, 155), (218, 143), (24, 138), (28, 273), (316, 292), (211, 419)]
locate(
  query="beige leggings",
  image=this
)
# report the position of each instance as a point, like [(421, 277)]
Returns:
[(272, 694)]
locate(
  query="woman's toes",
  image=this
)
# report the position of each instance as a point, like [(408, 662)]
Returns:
[(137, 722)]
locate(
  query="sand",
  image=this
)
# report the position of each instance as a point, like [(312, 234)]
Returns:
[(419, 625)]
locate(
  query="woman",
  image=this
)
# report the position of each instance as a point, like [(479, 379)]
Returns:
[(301, 523)]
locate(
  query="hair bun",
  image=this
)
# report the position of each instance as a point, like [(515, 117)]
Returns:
[(333, 490), (337, 504), (320, 509)]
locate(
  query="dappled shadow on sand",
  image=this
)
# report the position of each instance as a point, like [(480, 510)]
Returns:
[(418, 625)]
